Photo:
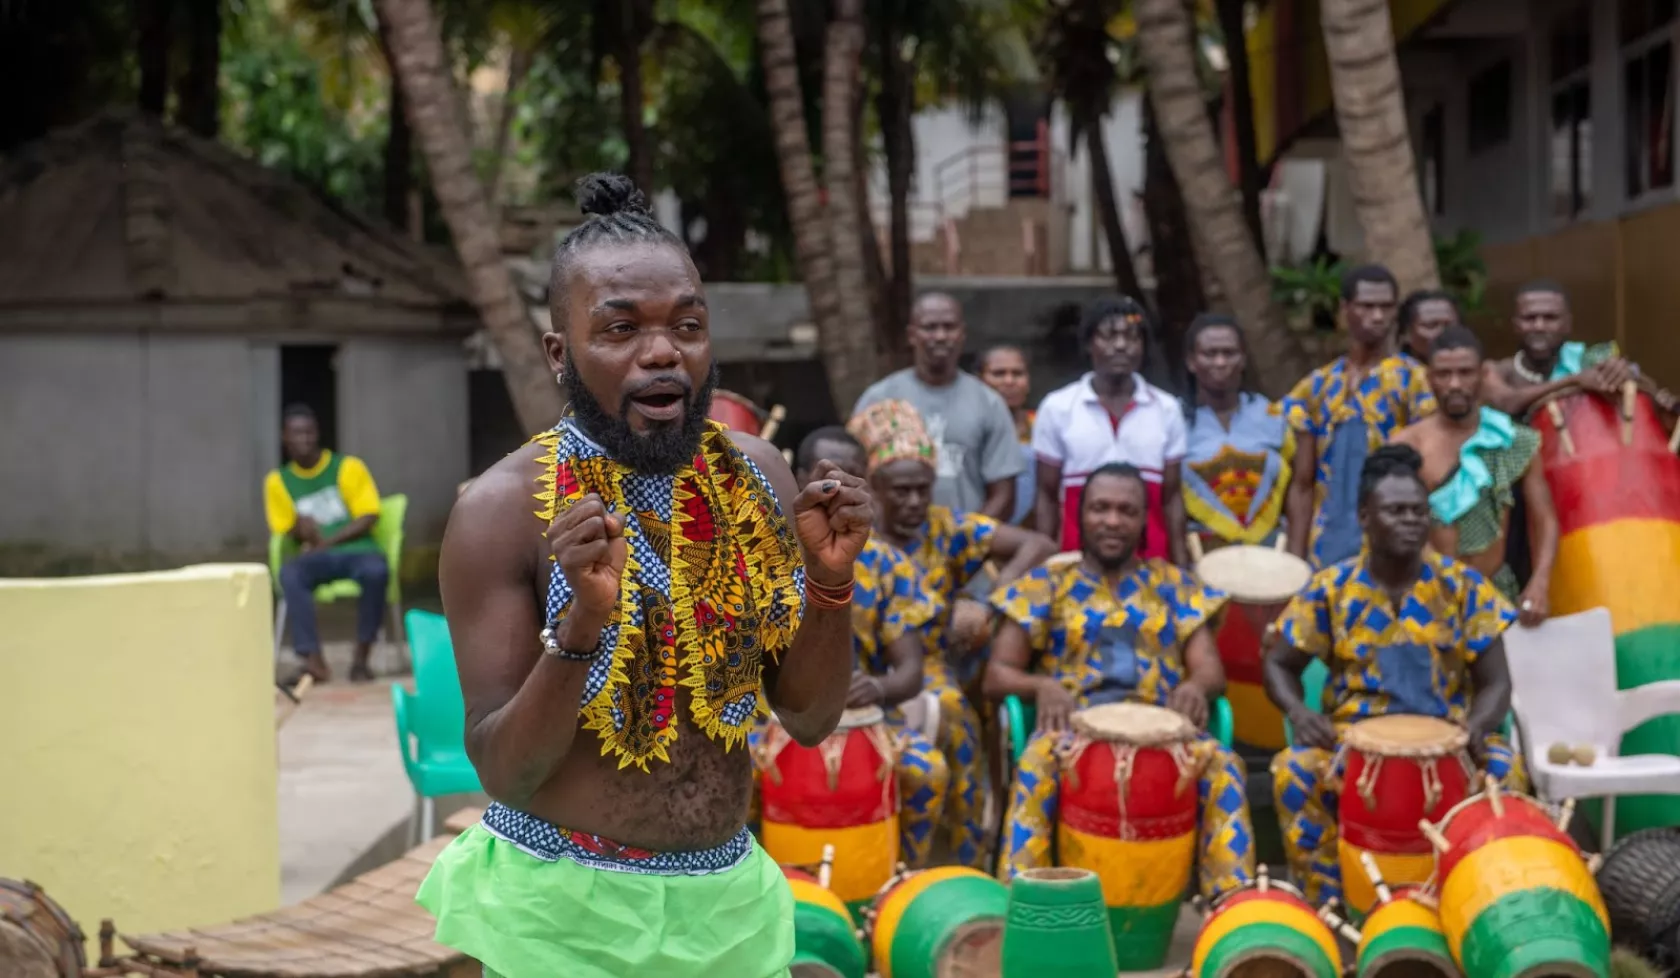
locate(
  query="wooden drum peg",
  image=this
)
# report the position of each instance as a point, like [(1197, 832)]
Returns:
[(1434, 836), (1374, 874), (1556, 414), (825, 871), (1565, 814)]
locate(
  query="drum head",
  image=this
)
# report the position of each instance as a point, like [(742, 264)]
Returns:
[(1405, 735), (37, 938), (863, 716), (1133, 723), (1256, 575)]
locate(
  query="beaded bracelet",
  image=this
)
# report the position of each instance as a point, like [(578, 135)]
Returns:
[(551, 646), (827, 596)]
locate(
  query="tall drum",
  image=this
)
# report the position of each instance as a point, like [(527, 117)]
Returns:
[(1517, 899), (825, 945), (1399, 769), (1616, 486), (1128, 814), (843, 792), (736, 412), (1260, 581)]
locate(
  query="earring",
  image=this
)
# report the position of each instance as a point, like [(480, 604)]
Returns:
[(560, 379)]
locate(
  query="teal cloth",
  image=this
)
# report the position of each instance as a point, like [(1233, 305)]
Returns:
[(1460, 493), (1569, 360), (523, 917)]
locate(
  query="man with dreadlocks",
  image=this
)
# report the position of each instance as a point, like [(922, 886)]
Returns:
[(1476, 460), (615, 651)]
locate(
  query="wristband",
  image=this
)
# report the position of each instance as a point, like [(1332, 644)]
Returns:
[(826, 596), (551, 646)]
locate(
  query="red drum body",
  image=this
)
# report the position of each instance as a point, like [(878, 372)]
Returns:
[(736, 412)]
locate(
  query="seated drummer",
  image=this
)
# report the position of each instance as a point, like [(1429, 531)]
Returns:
[(1550, 363), (1440, 654), (889, 612), (1107, 627), (948, 550)]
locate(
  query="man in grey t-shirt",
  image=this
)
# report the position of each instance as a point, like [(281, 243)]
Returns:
[(970, 425)]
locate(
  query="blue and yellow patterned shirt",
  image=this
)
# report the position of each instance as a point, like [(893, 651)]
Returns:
[(887, 601), (1414, 660), (1394, 394), (1106, 644), (951, 551)]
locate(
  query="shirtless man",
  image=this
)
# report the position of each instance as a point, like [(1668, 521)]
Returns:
[(1474, 458), (1549, 363), (674, 587)]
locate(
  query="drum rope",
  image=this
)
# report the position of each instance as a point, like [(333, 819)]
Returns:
[(885, 745), (1367, 783), (1124, 755), (1431, 785)]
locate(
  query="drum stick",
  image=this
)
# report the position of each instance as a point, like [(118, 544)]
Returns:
[(778, 414), (1434, 835), (1566, 813), (1556, 414), (1193, 543), (1338, 924), (294, 698), (1374, 873), (1630, 397), (1494, 803), (825, 872)]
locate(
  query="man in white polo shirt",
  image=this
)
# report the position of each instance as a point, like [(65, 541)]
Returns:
[(1111, 415)]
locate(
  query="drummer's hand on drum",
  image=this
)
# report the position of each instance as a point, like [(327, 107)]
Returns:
[(1188, 700), (866, 691), (1608, 377), (1313, 729), (1055, 706)]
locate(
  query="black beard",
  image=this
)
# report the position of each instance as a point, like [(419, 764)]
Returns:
[(664, 449)]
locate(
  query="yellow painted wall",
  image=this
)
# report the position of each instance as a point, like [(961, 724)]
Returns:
[(137, 752)]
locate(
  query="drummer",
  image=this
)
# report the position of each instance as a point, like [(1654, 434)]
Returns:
[(1236, 473), (948, 550), (1474, 456), (1441, 655), (888, 612), (1107, 627), (1550, 363)]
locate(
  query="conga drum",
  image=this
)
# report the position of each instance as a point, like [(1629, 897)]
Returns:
[(1265, 930), (1260, 582), (1399, 769), (1616, 486), (37, 938), (1403, 938), (736, 412), (1517, 899), (825, 945), (1128, 814), (843, 792), (938, 923)]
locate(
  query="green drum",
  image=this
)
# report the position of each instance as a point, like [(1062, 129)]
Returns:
[(1058, 926), (1402, 938), (824, 943), (939, 923), (1265, 930)]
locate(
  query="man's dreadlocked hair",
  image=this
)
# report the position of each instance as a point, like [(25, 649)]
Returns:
[(615, 213)]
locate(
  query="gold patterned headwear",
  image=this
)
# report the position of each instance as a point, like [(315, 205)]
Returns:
[(890, 431)]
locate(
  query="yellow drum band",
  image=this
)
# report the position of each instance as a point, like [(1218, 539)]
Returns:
[(1397, 914), (1402, 931), (805, 891), (1398, 869), (1254, 720), (864, 855), (1511, 867), (1136, 873), (1260, 913), (890, 914), (1593, 570)]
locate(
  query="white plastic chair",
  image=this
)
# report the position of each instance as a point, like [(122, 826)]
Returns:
[(1563, 689)]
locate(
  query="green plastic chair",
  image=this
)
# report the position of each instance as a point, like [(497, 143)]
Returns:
[(387, 532), (1313, 678), (432, 721), (1020, 717)]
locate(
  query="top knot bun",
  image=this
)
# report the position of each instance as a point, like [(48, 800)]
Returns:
[(609, 193)]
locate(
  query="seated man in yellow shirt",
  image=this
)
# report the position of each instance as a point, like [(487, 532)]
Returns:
[(327, 503)]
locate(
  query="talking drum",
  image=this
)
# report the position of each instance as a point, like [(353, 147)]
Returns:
[(736, 412), (824, 943), (1517, 899), (37, 938), (1128, 814), (843, 793), (1260, 582), (1399, 769), (1402, 938), (938, 923), (1615, 483), (1265, 930)]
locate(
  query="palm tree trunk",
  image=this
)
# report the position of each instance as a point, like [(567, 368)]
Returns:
[(435, 113), (631, 101), (519, 65), (155, 38), (1108, 205), (1250, 180), (1371, 113), (799, 182), (850, 355), (398, 163), (198, 89), (1178, 276), (1164, 39), (893, 106)]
